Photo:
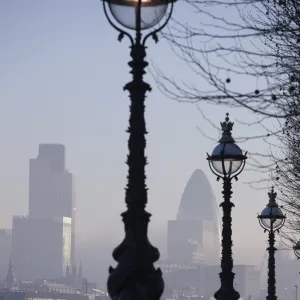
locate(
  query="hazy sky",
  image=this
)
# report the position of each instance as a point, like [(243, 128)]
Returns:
[(62, 71)]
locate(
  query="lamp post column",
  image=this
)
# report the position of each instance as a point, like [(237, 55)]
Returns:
[(227, 291), (135, 277), (271, 266)]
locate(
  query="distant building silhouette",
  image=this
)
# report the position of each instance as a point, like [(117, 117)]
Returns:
[(195, 235), (43, 243), (5, 251), (51, 191)]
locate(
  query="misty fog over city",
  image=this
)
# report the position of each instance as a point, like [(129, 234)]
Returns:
[(201, 130)]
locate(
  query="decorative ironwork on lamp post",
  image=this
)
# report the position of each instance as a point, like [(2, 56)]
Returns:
[(227, 162), (271, 220), (135, 277)]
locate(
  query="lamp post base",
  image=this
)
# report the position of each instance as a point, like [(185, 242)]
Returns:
[(227, 294)]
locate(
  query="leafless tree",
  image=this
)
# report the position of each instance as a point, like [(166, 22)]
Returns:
[(257, 45), (253, 41)]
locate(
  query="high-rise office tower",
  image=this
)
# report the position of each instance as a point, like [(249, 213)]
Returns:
[(43, 242), (51, 187), (195, 235), (5, 246)]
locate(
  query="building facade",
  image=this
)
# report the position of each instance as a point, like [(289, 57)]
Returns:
[(41, 247)]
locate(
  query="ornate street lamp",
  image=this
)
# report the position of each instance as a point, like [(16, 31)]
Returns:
[(135, 276), (227, 162), (271, 219)]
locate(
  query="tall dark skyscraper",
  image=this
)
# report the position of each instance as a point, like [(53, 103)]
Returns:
[(43, 243), (51, 187)]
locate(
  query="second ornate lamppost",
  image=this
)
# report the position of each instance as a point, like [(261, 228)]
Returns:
[(135, 276), (227, 161), (271, 220)]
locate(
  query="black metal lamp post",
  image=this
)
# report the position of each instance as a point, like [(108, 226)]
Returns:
[(135, 277), (227, 162), (271, 219)]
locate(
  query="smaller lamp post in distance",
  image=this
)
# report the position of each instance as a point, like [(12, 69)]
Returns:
[(227, 161), (271, 220)]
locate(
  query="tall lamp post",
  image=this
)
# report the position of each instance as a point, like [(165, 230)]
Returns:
[(227, 162), (135, 277), (271, 220)]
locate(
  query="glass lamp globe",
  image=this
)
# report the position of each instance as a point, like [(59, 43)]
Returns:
[(138, 14), (272, 217), (227, 158), (297, 249)]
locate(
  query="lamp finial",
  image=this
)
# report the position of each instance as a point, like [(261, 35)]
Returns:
[(227, 128)]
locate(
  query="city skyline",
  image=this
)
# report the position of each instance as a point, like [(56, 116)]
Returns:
[(181, 210), (195, 201)]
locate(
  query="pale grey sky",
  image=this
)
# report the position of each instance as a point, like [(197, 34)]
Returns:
[(62, 71)]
